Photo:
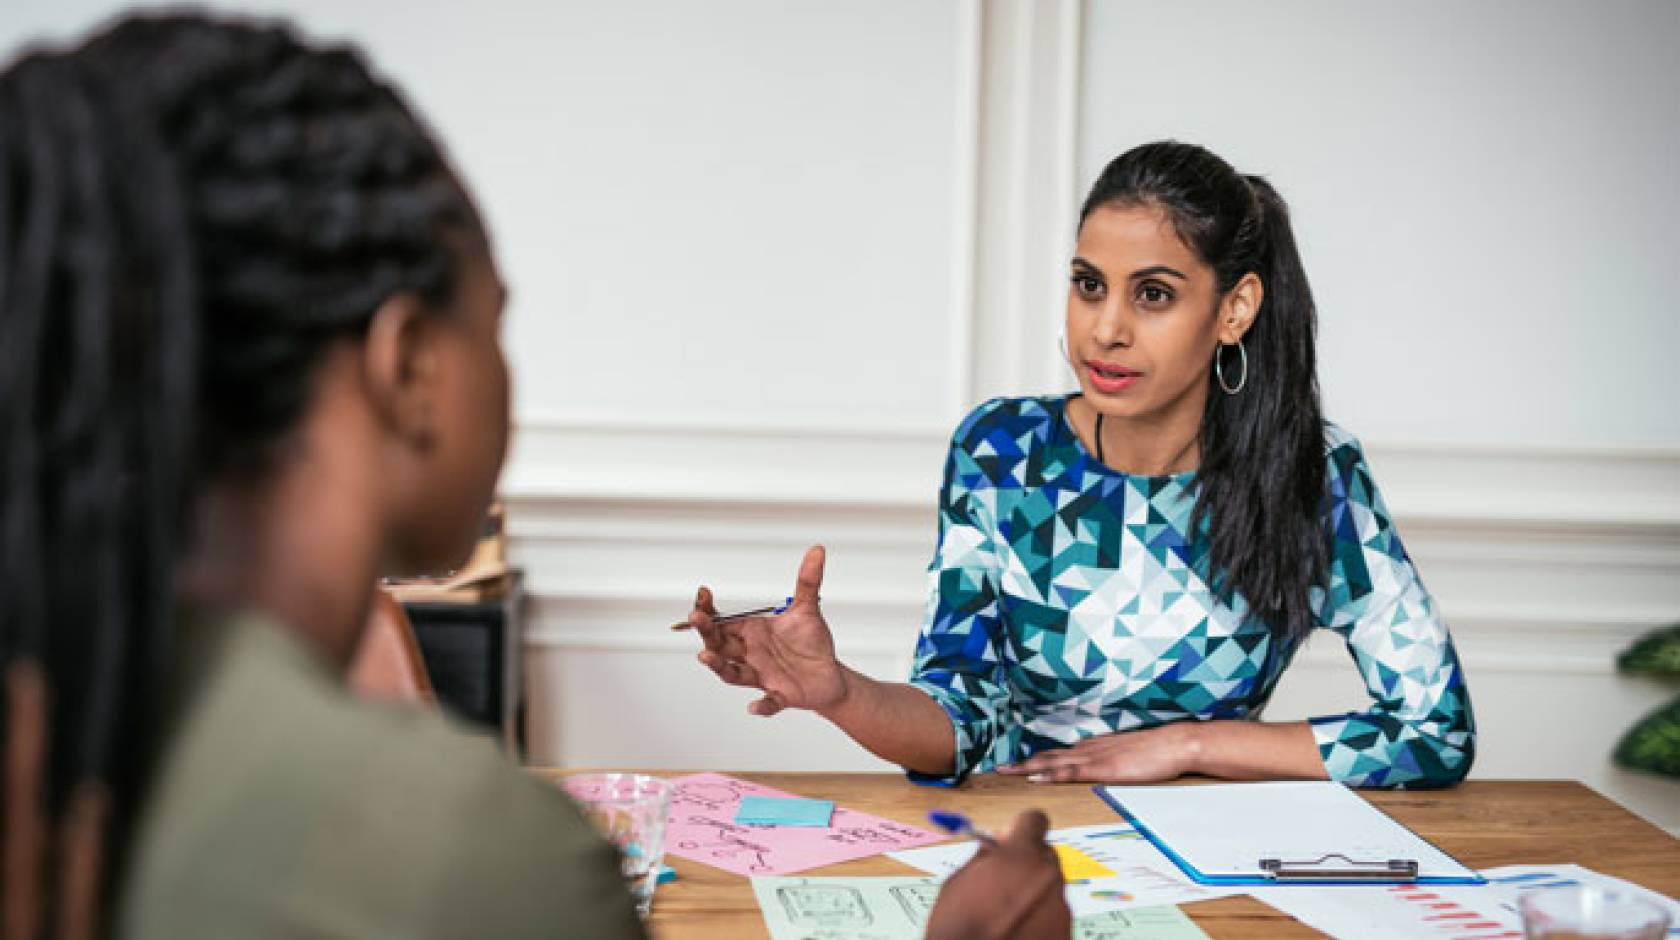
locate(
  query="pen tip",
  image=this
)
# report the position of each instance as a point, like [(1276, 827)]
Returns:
[(950, 822)]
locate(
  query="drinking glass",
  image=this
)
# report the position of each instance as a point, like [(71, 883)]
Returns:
[(630, 810), (1590, 913)]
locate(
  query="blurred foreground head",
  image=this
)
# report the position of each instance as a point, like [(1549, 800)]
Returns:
[(195, 214)]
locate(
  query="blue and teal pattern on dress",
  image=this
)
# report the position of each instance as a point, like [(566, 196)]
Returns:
[(1069, 600)]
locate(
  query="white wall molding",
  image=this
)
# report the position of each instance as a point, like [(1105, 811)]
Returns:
[(1582, 487), (965, 170), (1456, 489), (1526, 590), (671, 460), (1029, 155)]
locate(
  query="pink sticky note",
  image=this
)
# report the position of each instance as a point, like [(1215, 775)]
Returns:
[(702, 828)]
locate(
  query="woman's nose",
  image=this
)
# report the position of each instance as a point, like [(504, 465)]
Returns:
[(1113, 326)]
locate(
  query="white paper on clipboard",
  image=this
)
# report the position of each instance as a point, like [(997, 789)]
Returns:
[(1225, 830)]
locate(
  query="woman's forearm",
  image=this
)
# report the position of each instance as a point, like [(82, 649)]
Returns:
[(895, 722), (1253, 750)]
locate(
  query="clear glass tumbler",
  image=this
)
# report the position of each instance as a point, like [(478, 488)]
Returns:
[(1590, 913), (630, 810)]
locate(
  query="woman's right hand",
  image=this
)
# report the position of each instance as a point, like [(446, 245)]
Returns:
[(1010, 890), (789, 657)]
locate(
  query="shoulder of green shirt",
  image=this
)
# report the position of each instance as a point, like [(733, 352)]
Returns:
[(284, 804)]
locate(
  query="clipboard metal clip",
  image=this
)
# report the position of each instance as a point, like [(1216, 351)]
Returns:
[(1338, 867)]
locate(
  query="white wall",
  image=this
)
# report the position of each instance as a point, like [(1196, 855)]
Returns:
[(764, 253), (1485, 194), (737, 209)]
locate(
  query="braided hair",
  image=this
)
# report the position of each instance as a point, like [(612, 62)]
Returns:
[(191, 211), (1261, 483)]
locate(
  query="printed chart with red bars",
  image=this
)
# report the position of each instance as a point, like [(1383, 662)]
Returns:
[(1456, 916)]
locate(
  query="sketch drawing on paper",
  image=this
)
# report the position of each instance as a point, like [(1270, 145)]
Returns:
[(916, 900), (810, 905)]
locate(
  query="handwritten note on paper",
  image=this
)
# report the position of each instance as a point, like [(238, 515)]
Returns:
[(897, 908), (702, 828)]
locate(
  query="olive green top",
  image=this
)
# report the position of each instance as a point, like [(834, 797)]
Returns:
[(282, 807)]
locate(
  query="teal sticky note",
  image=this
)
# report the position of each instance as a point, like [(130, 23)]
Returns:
[(784, 811)]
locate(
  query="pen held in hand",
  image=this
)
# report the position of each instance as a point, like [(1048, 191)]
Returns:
[(959, 825), (738, 615)]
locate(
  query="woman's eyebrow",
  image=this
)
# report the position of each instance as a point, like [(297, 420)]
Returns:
[(1079, 262), (1157, 269)]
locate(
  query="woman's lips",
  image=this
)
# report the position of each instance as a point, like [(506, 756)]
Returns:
[(1110, 379)]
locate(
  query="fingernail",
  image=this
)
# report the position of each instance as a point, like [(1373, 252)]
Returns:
[(1038, 778)]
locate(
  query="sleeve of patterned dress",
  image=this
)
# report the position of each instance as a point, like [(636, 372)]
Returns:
[(1419, 731), (958, 661)]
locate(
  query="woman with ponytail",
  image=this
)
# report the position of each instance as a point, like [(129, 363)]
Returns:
[(1122, 574)]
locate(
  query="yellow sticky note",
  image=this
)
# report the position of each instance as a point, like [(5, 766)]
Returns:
[(1077, 866)]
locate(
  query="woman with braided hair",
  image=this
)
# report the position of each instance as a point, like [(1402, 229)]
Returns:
[(249, 362)]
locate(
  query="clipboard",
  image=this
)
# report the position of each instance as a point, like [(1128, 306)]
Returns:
[(1282, 833)]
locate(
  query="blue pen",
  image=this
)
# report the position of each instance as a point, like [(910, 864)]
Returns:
[(959, 825), (755, 612)]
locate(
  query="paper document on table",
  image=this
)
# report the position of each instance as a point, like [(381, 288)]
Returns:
[(702, 826), (1226, 833), (846, 908), (1108, 867), (1397, 912), (894, 908)]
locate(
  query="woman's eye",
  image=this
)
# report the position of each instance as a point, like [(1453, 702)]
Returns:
[(1154, 295), (1088, 287)]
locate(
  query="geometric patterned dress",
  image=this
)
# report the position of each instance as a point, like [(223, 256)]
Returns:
[(1068, 600)]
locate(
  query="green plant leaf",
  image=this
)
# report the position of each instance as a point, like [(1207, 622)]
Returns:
[(1654, 743), (1656, 653)]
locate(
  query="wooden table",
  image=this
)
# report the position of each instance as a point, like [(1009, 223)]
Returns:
[(1483, 823)]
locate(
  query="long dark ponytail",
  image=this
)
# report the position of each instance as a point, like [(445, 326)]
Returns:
[(191, 210), (1261, 483)]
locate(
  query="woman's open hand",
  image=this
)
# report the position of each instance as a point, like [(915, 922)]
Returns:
[(789, 656)]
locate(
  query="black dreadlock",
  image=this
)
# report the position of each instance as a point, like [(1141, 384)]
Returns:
[(191, 211)]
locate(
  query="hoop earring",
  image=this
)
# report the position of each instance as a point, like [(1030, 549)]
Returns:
[(1219, 368)]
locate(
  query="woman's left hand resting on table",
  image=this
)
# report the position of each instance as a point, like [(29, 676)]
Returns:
[(1143, 756), (1234, 750)]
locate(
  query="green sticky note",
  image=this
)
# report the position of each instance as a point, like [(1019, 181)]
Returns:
[(784, 811)]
